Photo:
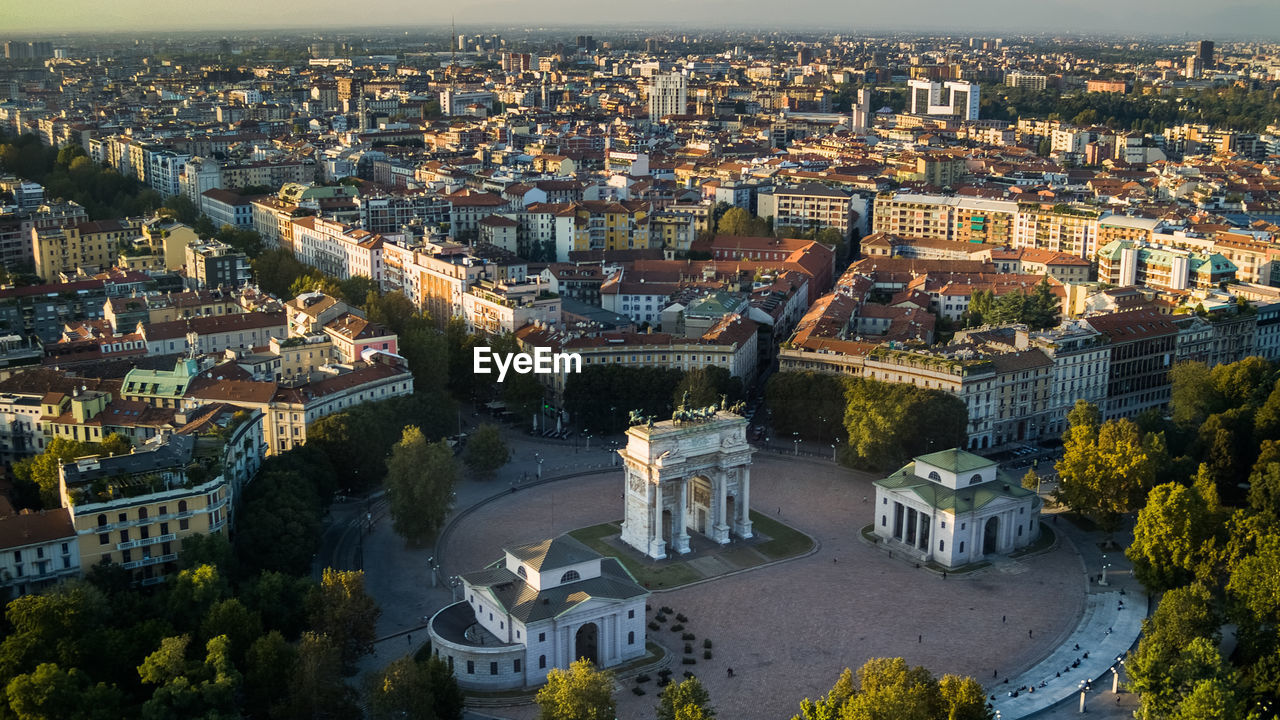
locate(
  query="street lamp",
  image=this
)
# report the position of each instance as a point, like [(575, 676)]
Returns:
[(1105, 565), (540, 459), (1115, 676), (1084, 690), (833, 450), (431, 568), (796, 440)]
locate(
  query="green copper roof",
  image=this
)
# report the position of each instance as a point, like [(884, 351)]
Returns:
[(959, 501), (956, 460), (554, 553)]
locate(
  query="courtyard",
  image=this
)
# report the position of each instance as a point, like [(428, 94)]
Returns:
[(787, 629)]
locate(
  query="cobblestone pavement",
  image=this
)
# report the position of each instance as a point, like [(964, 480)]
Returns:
[(787, 630)]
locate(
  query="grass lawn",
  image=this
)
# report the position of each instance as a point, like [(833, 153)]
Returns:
[(1044, 542), (783, 541), (652, 576)]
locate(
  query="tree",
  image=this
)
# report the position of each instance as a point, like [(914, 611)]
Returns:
[(828, 706), (887, 423), (1193, 397), (1211, 699), (687, 697), (1031, 481), (279, 528), (42, 470), (1042, 307), (1184, 617), (232, 620), (116, 444), (342, 610), (963, 698), (356, 289), (889, 688), (1164, 687), (420, 477), (809, 403), (1173, 539), (580, 693), (269, 666), (393, 310), (737, 221), (706, 386), (410, 689), (317, 689), (1106, 471), (182, 208), (51, 693), (486, 450), (276, 271)]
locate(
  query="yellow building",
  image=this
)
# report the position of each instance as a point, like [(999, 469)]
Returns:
[(604, 225), (162, 247), (135, 510), (88, 246)]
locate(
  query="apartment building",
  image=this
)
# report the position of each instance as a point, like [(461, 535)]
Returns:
[(337, 249), (1081, 368), (225, 207), (213, 334), (1141, 346), (1124, 264), (136, 510), (807, 207), (37, 550), (214, 264), (83, 246)]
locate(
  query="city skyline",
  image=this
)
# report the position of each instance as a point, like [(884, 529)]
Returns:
[(1138, 17)]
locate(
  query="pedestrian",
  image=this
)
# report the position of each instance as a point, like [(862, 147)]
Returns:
[(730, 672), (409, 639), (995, 673), (834, 561), (1004, 618), (919, 638), (944, 574), (1029, 633)]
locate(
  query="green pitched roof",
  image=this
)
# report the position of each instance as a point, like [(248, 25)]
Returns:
[(941, 497), (956, 460)]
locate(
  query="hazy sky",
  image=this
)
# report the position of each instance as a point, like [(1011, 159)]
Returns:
[(1207, 18)]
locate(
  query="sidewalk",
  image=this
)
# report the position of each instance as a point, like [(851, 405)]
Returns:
[(1109, 626)]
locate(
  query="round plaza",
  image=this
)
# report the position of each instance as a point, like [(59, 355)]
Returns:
[(788, 629)]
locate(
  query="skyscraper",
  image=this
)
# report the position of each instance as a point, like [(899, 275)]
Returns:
[(1204, 51), (862, 110), (668, 95)]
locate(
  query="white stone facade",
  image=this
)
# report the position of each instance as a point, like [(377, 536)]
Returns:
[(686, 475)]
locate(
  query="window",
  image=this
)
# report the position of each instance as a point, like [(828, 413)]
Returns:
[(17, 556), (142, 513), (542, 662), (124, 536), (961, 549), (182, 506), (934, 476), (1019, 531), (975, 479), (65, 549), (102, 520), (183, 524), (126, 556), (493, 668), (944, 523), (124, 517), (542, 637), (569, 576), (104, 539), (164, 528), (164, 509), (631, 638), (520, 571), (631, 614), (884, 521), (515, 666), (471, 667), (942, 545)]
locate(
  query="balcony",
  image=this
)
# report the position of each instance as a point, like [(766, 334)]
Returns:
[(150, 561)]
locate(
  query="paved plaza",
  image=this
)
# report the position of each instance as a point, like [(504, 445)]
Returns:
[(789, 629)]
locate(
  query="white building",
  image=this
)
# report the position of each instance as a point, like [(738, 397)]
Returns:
[(954, 508), (542, 606), (668, 95), (959, 98)]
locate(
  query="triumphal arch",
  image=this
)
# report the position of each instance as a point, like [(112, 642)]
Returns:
[(690, 473)]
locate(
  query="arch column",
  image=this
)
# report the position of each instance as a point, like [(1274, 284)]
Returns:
[(679, 516), (720, 489), (742, 508)]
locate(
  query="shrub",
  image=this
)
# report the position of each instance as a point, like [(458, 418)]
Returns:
[(654, 626), (688, 636), (666, 610), (706, 654), (688, 649), (637, 690), (677, 627), (688, 674), (664, 673), (660, 618), (664, 682), (643, 678), (689, 661), (681, 618), (648, 607), (707, 643)]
